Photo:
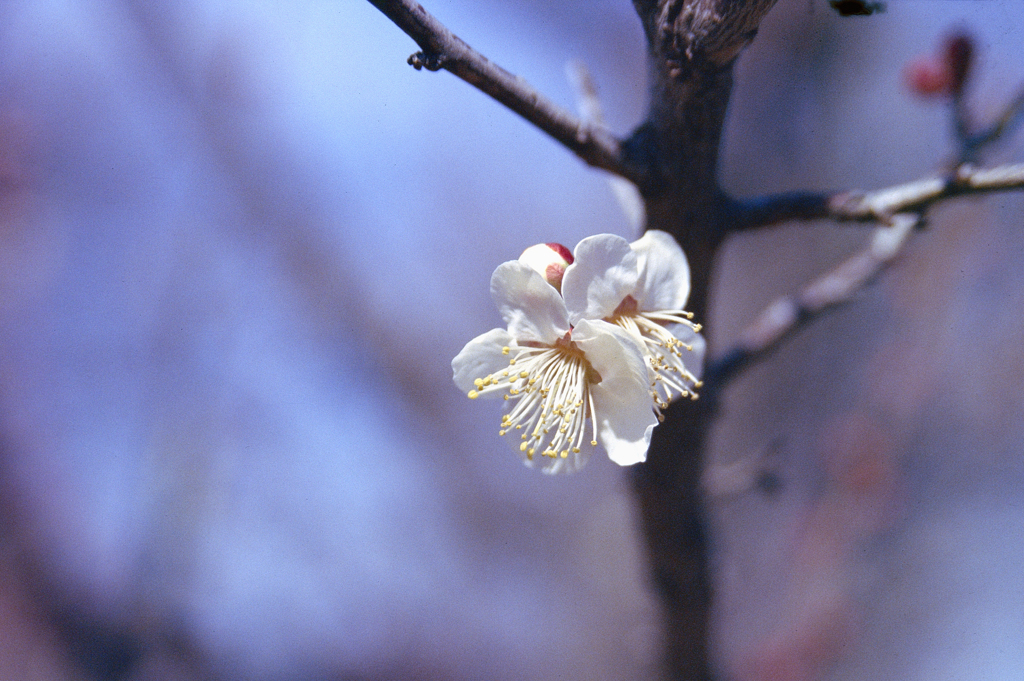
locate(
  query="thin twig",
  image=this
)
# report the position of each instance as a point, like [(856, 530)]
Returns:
[(899, 208), (442, 49), (1012, 116), (873, 206), (789, 313)]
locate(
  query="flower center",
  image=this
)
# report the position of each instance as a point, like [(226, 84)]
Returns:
[(664, 350), (551, 390)]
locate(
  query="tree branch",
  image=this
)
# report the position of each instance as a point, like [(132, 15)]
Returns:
[(442, 49), (854, 206), (1011, 117), (688, 33), (785, 316), (900, 207)]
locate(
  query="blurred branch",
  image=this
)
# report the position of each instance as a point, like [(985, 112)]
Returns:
[(442, 49), (958, 59), (855, 206), (788, 314), (1012, 116), (589, 105), (949, 73), (900, 208)]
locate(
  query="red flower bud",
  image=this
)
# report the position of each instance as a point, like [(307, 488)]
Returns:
[(927, 77), (549, 260)]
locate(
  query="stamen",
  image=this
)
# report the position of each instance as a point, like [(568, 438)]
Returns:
[(549, 388), (665, 353)]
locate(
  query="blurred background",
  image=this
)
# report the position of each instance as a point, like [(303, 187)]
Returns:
[(240, 243)]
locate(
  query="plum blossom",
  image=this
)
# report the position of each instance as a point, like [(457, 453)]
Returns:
[(643, 288), (588, 338)]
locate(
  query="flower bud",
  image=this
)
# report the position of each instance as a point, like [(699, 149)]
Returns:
[(549, 260), (944, 74), (927, 77)]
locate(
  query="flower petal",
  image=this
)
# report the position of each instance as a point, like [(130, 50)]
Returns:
[(622, 400), (529, 305), (664, 273), (603, 273), (481, 357)]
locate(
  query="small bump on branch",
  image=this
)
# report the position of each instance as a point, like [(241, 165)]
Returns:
[(422, 60)]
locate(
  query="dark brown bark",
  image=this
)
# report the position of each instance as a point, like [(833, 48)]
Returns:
[(692, 47)]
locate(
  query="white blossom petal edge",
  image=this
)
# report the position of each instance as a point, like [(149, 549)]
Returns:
[(603, 273)]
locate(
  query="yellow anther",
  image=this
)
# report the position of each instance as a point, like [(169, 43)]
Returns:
[(524, 374), (479, 383), (593, 443), (523, 446), (473, 394), (564, 454), (505, 350)]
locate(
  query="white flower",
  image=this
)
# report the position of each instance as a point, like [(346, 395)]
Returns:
[(602, 351), (643, 288)]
